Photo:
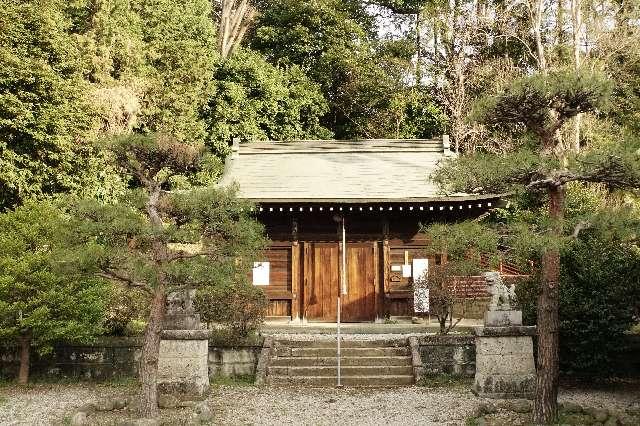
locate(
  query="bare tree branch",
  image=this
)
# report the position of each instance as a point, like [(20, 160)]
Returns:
[(581, 226)]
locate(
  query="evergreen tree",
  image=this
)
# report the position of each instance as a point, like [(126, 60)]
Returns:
[(253, 99), (44, 111), (157, 241), (537, 107), (40, 302)]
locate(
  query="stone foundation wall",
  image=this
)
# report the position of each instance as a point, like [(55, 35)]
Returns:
[(106, 359), (448, 354), (233, 362), (118, 357), (114, 358)]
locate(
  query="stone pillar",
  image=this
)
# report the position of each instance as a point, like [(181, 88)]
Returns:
[(504, 362), (182, 365), (184, 349), (504, 348)]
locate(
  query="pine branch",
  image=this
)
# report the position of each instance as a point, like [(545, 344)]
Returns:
[(115, 276)]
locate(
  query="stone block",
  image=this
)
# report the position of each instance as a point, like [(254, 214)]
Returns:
[(182, 321), (502, 318), (504, 386), (183, 348), (508, 345), (505, 364), (514, 330), (504, 367), (183, 366)]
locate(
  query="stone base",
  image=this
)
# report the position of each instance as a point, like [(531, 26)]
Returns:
[(181, 321), (504, 367), (502, 318), (182, 365)]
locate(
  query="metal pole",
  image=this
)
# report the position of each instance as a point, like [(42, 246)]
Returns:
[(343, 290), (344, 259), (339, 378)]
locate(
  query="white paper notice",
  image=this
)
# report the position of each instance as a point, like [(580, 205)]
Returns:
[(421, 299), (260, 273), (406, 271), (396, 268), (420, 270)]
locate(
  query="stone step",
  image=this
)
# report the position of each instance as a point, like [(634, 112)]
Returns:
[(380, 381), (347, 352), (346, 371), (300, 361), (382, 343)]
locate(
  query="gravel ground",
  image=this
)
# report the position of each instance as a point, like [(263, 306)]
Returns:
[(332, 337), (330, 406), (250, 405), (46, 404)]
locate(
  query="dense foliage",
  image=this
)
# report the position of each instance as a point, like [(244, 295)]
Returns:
[(362, 77), (43, 108), (240, 308), (255, 100), (599, 301)]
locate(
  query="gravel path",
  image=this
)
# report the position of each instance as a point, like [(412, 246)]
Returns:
[(48, 404), (330, 406)]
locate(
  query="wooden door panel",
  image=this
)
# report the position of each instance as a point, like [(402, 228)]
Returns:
[(359, 303), (321, 281), (322, 272)]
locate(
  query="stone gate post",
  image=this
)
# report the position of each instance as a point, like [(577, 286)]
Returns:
[(184, 349), (504, 348)]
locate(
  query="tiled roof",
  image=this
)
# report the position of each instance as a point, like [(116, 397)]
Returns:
[(337, 171)]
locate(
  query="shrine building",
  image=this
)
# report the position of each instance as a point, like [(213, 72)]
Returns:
[(373, 194)]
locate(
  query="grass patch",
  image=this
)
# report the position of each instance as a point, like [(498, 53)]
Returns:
[(445, 380), (471, 421), (3, 400), (125, 382), (241, 380), (635, 329)]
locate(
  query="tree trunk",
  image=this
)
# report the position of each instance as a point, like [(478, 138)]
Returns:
[(150, 354), (418, 50), (25, 352), (536, 11), (234, 23), (576, 19), (546, 400)]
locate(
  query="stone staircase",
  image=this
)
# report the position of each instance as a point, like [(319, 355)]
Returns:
[(363, 363)]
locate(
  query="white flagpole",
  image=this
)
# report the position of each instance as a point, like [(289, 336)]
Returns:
[(343, 290)]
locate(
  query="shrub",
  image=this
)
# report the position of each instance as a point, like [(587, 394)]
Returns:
[(599, 292), (240, 308), (126, 312)]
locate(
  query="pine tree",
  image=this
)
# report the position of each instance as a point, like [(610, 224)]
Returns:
[(40, 302), (158, 241), (536, 108)]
